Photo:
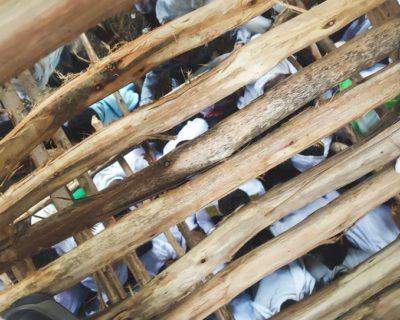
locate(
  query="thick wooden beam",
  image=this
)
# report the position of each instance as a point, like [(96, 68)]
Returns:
[(384, 305), (32, 29), (388, 10), (180, 105), (277, 104), (224, 139), (330, 175), (330, 220), (372, 276), (126, 65), (171, 208)]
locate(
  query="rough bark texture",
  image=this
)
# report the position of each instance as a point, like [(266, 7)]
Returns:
[(384, 305), (125, 65), (354, 288), (220, 246), (322, 225), (32, 29), (171, 208), (282, 100)]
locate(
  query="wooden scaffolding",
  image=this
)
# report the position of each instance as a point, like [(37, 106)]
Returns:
[(187, 289)]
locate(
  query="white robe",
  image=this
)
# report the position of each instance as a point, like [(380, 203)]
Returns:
[(299, 215), (374, 231), (292, 282), (161, 252)]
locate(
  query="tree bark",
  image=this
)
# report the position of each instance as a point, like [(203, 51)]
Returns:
[(32, 29), (243, 66), (125, 65), (384, 305), (278, 103), (323, 224), (220, 246), (171, 208)]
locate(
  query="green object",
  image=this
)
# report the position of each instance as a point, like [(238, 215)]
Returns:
[(345, 84), (364, 125), (79, 193), (392, 103)]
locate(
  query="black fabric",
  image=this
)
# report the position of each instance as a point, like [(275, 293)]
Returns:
[(287, 304), (44, 257), (332, 254), (80, 127), (232, 201), (5, 128), (280, 174), (37, 307), (259, 239)]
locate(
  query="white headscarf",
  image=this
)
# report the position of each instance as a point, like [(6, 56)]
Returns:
[(303, 162), (190, 131)]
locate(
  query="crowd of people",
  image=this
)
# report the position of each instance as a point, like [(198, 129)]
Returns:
[(285, 286)]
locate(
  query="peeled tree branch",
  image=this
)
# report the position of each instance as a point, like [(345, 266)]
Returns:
[(32, 29), (174, 206), (121, 67), (382, 269), (279, 103), (217, 144), (219, 247)]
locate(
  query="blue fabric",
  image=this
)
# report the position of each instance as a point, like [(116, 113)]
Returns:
[(108, 109), (356, 28)]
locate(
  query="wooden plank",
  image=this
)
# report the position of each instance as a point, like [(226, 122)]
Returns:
[(352, 289), (224, 139), (388, 10), (107, 142), (32, 29), (171, 208), (377, 273), (123, 66), (384, 305), (330, 175)]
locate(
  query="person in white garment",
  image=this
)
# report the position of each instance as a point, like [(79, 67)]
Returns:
[(299, 215), (289, 284), (374, 231)]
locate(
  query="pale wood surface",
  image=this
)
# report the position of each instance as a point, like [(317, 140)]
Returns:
[(171, 208), (372, 276), (384, 305), (220, 246), (221, 141), (123, 66), (32, 29), (312, 83)]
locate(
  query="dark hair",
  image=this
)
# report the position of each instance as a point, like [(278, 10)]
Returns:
[(5, 128), (332, 254), (232, 201), (280, 174), (80, 126)]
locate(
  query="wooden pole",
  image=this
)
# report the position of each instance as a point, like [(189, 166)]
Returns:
[(220, 246), (171, 208), (164, 114), (372, 276), (330, 220), (384, 305), (43, 235), (32, 29), (280, 102), (61, 198), (126, 65)]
